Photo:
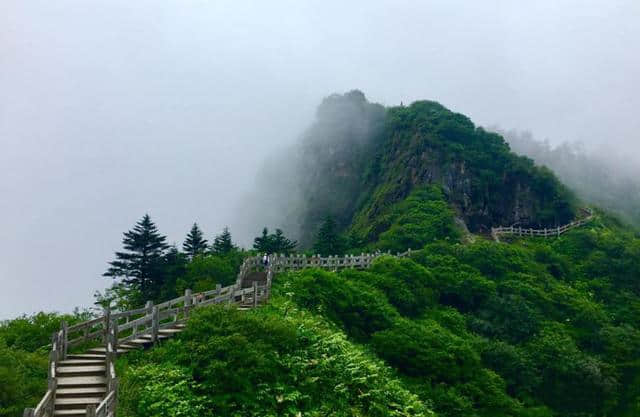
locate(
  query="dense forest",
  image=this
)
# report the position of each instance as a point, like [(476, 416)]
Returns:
[(465, 326)]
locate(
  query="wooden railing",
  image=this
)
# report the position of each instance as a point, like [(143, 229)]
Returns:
[(496, 232), (114, 328), (281, 263)]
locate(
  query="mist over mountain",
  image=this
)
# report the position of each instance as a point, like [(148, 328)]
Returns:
[(358, 158), (604, 176)]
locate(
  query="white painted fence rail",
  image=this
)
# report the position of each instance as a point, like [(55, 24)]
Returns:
[(496, 232)]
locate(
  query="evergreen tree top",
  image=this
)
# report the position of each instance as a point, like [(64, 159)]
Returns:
[(195, 243)]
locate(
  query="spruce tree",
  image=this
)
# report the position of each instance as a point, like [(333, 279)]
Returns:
[(194, 244), (223, 244), (281, 244), (140, 264), (263, 243), (328, 240)]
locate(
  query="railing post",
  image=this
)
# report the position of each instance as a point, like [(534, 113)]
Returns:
[(155, 324), (268, 290), (52, 385), (107, 323), (114, 331), (29, 412), (149, 311), (558, 231), (255, 294), (187, 302), (65, 338)]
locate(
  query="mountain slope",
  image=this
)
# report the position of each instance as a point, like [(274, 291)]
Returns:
[(359, 158)]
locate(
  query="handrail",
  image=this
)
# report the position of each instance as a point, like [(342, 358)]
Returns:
[(546, 232), (154, 318)]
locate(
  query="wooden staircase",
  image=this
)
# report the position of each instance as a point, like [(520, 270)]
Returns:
[(85, 384), (81, 380)]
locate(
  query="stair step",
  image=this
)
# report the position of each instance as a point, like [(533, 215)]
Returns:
[(147, 337), (139, 342), (80, 381), (71, 403), (70, 413), (92, 369), (87, 356), (80, 392), (180, 326), (81, 362), (170, 331), (127, 346)]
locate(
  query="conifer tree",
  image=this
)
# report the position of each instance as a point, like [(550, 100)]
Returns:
[(263, 243), (223, 244), (194, 244), (140, 264), (328, 240), (281, 244)]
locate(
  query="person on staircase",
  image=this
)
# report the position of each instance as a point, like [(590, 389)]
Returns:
[(265, 260)]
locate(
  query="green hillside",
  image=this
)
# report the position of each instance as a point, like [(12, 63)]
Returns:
[(463, 326), (359, 158)]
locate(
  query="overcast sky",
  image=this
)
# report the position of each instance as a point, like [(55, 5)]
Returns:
[(113, 108)]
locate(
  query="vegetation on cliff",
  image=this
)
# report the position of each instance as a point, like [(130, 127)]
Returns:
[(465, 326)]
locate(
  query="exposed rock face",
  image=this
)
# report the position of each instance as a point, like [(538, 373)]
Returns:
[(359, 158)]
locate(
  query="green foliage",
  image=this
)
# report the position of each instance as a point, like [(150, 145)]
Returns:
[(274, 243), (205, 271), (423, 217), (140, 265), (276, 361), (32, 333), (360, 308), (223, 244), (24, 346), (195, 243), (426, 349), (329, 242), (538, 327), (24, 379), (157, 391)]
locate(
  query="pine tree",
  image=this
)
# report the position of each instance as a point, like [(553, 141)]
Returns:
[(195, 244), (328, 240), (281, 244), (263, 243), (223, 244), (140, 264)]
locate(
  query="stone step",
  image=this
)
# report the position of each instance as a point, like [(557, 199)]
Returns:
[(80, 362), (80, 392), (81, 370), (76, 403), (81, 381)]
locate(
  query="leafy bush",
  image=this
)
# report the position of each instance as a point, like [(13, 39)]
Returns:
[(23, 377), (359, 307), (277, 361), (427, 349)]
